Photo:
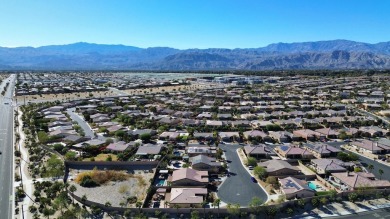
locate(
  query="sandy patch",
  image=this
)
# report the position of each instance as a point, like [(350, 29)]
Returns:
[(117, 192)]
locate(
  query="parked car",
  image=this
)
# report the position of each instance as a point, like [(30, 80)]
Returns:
[(250, 167), (253, 179)]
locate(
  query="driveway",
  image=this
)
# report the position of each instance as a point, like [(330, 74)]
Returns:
[(238, 188)]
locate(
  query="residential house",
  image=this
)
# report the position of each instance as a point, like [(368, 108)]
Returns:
[(279, 168), (204, 136), (281, 136), (295, 188), (306, 134), (354, 180), (327, 132), (255, 134), (187, 197), (323, 166), (119, 146), (373, 147), (373, 131), (258, 151), (201, 150), (205, 163), (146, 150), (189, 177), (322, 150), (291, 152), (229, 136)]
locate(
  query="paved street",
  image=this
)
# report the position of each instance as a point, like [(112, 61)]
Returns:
[(6, 147), (238, 188), (84, 125), (365, 161)]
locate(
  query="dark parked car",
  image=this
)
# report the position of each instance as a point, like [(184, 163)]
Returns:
[(253, 179)]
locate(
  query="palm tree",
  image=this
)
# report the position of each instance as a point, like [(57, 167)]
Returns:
[(138, 205), (204, 203), (72, 189), (380, 173), (217, 202), (177, 208), (83, 198)]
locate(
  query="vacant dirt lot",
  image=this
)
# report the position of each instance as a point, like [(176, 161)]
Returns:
[(117, 192), (65, 96)]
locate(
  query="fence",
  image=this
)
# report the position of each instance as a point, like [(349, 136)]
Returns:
[(261, 210)]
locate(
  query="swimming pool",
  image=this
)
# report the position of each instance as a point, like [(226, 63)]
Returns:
[(160, 182), (312, 185)]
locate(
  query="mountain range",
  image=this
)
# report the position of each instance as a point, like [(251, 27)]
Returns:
[(334, 54)]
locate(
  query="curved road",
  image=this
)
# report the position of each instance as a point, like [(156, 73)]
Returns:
[(238, 188), (80, 121)]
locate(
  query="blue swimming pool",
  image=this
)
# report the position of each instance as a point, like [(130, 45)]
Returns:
[(312, 185), (160, 182)]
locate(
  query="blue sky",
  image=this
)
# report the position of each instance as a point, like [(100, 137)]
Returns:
[(191, 24)]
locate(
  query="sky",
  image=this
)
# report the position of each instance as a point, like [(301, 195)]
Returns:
[(186, 24)]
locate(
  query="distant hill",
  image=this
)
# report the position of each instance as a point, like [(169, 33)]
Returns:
[(335, 54)]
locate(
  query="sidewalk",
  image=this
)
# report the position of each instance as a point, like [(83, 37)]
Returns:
[(26, 178)]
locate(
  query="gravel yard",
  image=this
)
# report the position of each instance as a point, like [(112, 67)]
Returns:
[(118, 192)]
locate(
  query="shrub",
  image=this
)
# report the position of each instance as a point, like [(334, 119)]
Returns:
[(251, 162), (260, 172), (87, 181), (58, 147), (101, 177), (353, 197), (315, 202)]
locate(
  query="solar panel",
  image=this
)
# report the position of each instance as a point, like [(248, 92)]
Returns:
[(284, 148), (292, 184)]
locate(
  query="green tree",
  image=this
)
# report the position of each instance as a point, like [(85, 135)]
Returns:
[(233, 209), (315, 202), (146, 137), (271, 211), (43, 137), (290, 211), (301, 203), (47, 212), (324, 200), (380, 173), (204, 204), (217, 202), (255, 205), (70, 155), (73, 189), (353, 197), (58, 147), (251, 161), (194, 214), (370, 167), (261, 172), (54, 167), (138, 205)]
